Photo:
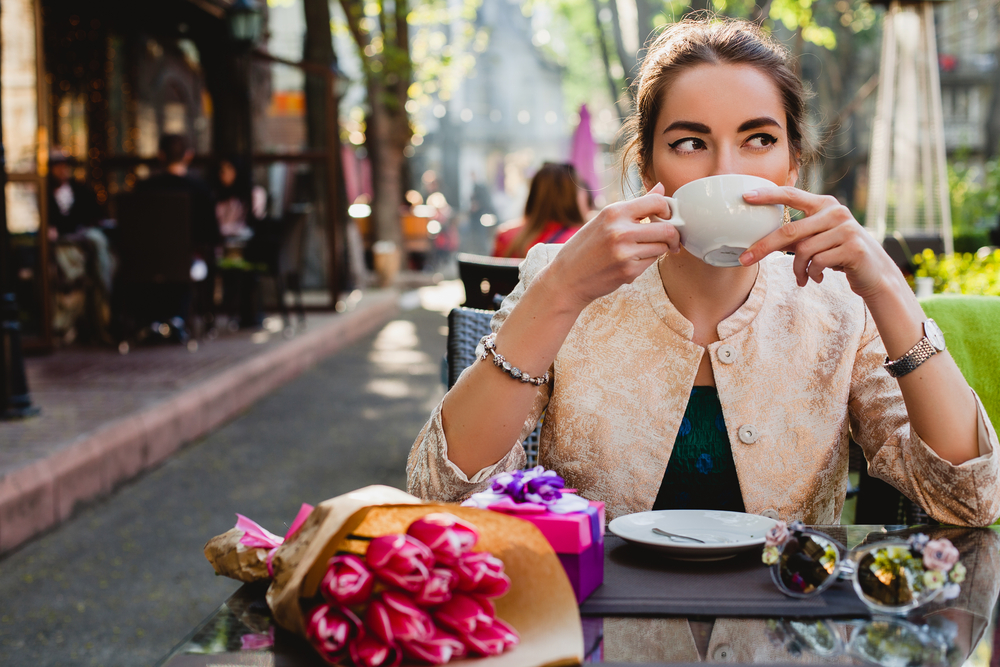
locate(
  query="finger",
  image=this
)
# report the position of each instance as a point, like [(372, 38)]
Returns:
[(789, 236), (651, 205), (644, 251), (807, 202)]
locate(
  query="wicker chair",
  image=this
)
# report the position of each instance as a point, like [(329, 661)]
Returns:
[(465, 327)]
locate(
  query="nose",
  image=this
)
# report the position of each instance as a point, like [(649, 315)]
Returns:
[(725, 162)]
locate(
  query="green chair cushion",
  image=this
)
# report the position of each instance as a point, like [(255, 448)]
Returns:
[(971, 326)]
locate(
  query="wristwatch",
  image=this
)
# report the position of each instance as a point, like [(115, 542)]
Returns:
[(929, 345)]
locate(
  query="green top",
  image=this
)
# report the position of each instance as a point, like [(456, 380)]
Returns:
[(701, 473)]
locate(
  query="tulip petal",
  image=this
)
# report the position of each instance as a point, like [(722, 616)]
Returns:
[(437, 650), (369, 651)]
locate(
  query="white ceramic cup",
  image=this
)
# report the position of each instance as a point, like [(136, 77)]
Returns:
[(715, 223)]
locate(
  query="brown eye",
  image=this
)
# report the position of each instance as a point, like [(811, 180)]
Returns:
[(762, 140), (687, 145)]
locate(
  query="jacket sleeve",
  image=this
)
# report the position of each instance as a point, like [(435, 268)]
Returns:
[(429, 472), (965, 494)]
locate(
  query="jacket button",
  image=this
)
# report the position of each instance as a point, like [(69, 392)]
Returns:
[(726, 354), (748, 434), (723, 653), (770, 514)]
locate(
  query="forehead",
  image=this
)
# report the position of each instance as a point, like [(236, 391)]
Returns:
[(721, 96)]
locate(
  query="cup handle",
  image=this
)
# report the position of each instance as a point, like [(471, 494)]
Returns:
[(675, 212)]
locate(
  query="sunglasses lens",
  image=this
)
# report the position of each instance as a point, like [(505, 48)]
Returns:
[(896, 643), (807, 562), (884, 578)]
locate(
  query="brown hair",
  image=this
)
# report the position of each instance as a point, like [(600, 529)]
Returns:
[(551, 198), (709, 40)]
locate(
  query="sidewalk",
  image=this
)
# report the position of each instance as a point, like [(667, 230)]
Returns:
[(106, 417)]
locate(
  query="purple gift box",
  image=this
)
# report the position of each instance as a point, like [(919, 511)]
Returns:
[(578, 540), (585, 570)]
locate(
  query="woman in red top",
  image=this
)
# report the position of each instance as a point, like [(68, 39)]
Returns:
[(551, 214)]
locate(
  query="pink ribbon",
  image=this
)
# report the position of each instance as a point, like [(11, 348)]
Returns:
[(258, 537)]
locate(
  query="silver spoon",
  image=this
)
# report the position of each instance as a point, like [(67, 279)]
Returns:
[(672, 535)]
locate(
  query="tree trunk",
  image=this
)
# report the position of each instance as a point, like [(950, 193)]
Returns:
[(321, 123), (628, 60), (645, 11), (606, 57)]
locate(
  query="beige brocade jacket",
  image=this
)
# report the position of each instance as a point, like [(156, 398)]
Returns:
[(796, 369)]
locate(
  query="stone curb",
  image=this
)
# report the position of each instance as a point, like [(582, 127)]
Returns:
[(46, 492)]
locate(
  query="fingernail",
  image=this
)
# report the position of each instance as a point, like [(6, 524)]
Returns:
[(746, 259), (751, 194)]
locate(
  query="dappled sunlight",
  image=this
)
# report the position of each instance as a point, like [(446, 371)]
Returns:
[(444, 296), (388, 388), (394, 350)]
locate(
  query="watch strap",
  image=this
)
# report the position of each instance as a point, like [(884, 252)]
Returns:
[(909, 362)]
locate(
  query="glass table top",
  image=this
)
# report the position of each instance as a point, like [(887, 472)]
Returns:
[(961, 631)]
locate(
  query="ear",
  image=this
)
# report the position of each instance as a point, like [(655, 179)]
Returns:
[(648, 181), (793, 171)]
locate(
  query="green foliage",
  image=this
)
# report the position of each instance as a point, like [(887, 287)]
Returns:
[(964, 273), (975, 195)]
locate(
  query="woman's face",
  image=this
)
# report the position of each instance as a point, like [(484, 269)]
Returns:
[(720, 119), (227, 174)]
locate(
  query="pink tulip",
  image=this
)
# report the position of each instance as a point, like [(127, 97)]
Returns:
[(369, 651), (330, 630), (481, 573), (438, 588), (491, 640), (447, 536), (394, 618), (437, 650), (400, 560), (347, 581), (464, 613)]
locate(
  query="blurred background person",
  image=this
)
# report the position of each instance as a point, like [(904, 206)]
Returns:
[(73, 205), (81, 256), (551, 214), (249, 243)]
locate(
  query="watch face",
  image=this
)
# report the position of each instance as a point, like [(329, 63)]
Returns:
[(934, 334)]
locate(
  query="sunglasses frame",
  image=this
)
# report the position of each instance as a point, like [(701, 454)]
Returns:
[(847, 568)]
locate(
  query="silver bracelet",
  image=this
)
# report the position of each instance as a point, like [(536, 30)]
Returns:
[(488, 345)]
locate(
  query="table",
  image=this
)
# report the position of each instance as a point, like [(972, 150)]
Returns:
[(241, 632)]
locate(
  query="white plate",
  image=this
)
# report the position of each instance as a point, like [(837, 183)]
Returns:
[(725, 533)]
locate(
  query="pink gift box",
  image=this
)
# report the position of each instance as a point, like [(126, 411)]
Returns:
[(578, 540), (570, 533)]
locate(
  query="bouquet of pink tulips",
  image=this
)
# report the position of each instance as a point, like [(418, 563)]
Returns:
[(423, 594), (376, 577)]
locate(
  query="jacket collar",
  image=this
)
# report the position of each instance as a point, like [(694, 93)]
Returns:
[(650, 285)]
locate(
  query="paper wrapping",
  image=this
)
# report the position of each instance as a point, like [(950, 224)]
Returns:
[(540, 604), (232, 559)]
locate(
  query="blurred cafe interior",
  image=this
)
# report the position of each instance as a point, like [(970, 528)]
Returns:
[(93, 86)]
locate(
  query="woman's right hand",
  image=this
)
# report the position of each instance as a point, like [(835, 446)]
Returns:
[(613, 249)]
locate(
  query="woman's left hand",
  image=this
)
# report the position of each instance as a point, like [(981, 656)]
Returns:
[(827, 237)]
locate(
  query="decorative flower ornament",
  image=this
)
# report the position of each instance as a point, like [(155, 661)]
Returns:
[(532, 491)]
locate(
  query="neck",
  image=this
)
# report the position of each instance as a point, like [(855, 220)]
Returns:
[(705, 295), (177, 169)]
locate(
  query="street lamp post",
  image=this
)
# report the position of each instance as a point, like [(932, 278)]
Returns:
[(15, 400)]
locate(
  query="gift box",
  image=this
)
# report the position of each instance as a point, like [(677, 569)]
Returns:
[(578, 540), (573, 525)]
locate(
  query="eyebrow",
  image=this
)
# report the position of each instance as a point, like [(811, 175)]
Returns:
[(753, 124), (701, 128)]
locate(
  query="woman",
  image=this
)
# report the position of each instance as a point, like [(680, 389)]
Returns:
[(239, 203), (641, 337), (551, 214)]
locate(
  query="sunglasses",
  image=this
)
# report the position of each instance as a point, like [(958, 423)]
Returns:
[(892, 642), (891, 577)]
